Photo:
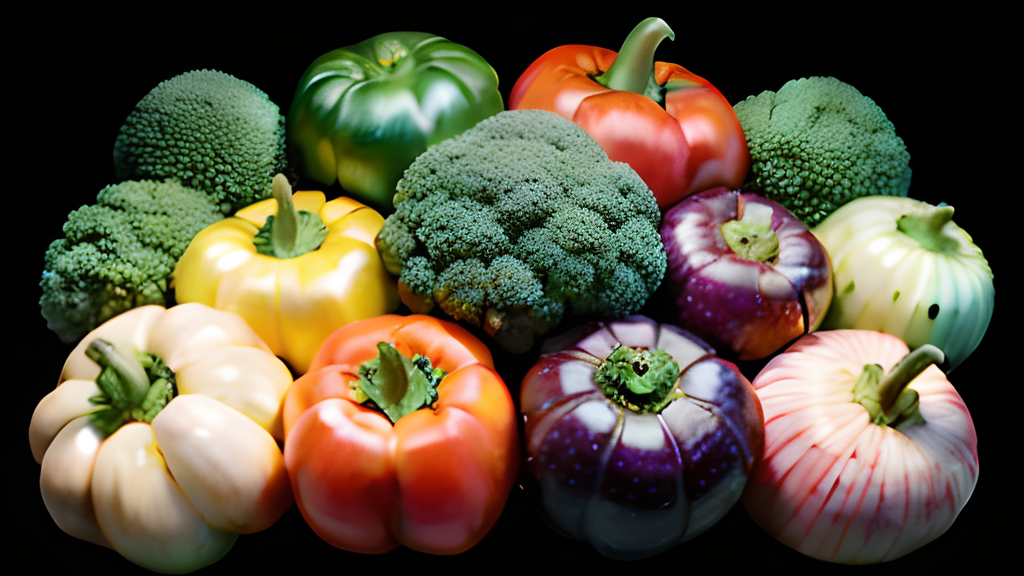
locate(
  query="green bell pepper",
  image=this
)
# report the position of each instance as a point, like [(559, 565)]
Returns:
[(363, 113)]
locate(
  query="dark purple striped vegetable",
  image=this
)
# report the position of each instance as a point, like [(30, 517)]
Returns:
[(638, 437)]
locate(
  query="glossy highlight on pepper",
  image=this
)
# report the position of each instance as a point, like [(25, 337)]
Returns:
[(161, 439), (362, 113), (293, 292), (673, 127), (437, 478)]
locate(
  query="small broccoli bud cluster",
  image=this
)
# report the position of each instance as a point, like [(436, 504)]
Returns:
[(119, 253)]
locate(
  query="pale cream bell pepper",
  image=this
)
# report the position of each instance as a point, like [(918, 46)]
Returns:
[(171, 495), (314, 273)]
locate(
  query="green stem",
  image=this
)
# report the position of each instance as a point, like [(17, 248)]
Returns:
[(751, 236), (887, 398), (131, 379), (289, 233), (133, 388), (925, 226), (633, 69), (641, 380), (396, 384), (287, 227)]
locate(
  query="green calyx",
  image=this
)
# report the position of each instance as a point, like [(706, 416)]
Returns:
[(396, 384), (886, 397), (641, 380), (751, 236), (633, 69), (926, 226), (291, 233), (133, 388)]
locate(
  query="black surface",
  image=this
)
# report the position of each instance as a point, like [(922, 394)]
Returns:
[(71, 88)]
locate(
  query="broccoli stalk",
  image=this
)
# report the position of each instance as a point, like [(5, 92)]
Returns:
[(519, 222)]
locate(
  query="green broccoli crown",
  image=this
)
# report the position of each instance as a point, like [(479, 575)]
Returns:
[(818, 143), (211, 131), (522, 220), (119, 253)]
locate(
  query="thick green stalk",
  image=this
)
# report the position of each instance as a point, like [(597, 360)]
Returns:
[(886, 397), (133, 388), (131, 383), (290, 233), (633, 69)]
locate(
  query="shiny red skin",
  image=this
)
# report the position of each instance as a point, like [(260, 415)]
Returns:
[(691, 143), (747, 309)]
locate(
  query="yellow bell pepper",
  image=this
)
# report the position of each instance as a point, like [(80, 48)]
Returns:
[(165, 456), (308, 271)]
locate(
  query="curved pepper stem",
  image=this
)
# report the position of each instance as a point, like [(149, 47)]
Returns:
[(633, 69), (133, 388), (886, 397), (641, 380), (290, 233)]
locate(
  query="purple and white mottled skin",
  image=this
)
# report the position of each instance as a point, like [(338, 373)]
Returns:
[(836, 487), (751, 308), (629, 484)]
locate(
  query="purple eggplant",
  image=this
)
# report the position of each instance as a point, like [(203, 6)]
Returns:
[(637, 436), (743, 273)]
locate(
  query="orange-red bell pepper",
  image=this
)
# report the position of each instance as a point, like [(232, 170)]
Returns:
[(437, 479), (673, 127)]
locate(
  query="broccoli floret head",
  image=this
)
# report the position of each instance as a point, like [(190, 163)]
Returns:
[(211, 131), (519, 222), (818, 143), (119, 253)]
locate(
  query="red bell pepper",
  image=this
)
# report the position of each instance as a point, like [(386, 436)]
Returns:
[(673, 127), (433, 470)]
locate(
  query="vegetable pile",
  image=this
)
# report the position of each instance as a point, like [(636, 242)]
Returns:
[(623, 307)]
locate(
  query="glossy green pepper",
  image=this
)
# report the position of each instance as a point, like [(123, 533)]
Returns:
[(362, 113)]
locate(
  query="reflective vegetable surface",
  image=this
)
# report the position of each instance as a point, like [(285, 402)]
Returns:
[(637, 437), (65, 147), (852, 476)]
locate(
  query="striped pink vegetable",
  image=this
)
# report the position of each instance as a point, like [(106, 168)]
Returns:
[(838, 486)]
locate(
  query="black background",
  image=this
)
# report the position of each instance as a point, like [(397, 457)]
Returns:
[(72, 87)]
